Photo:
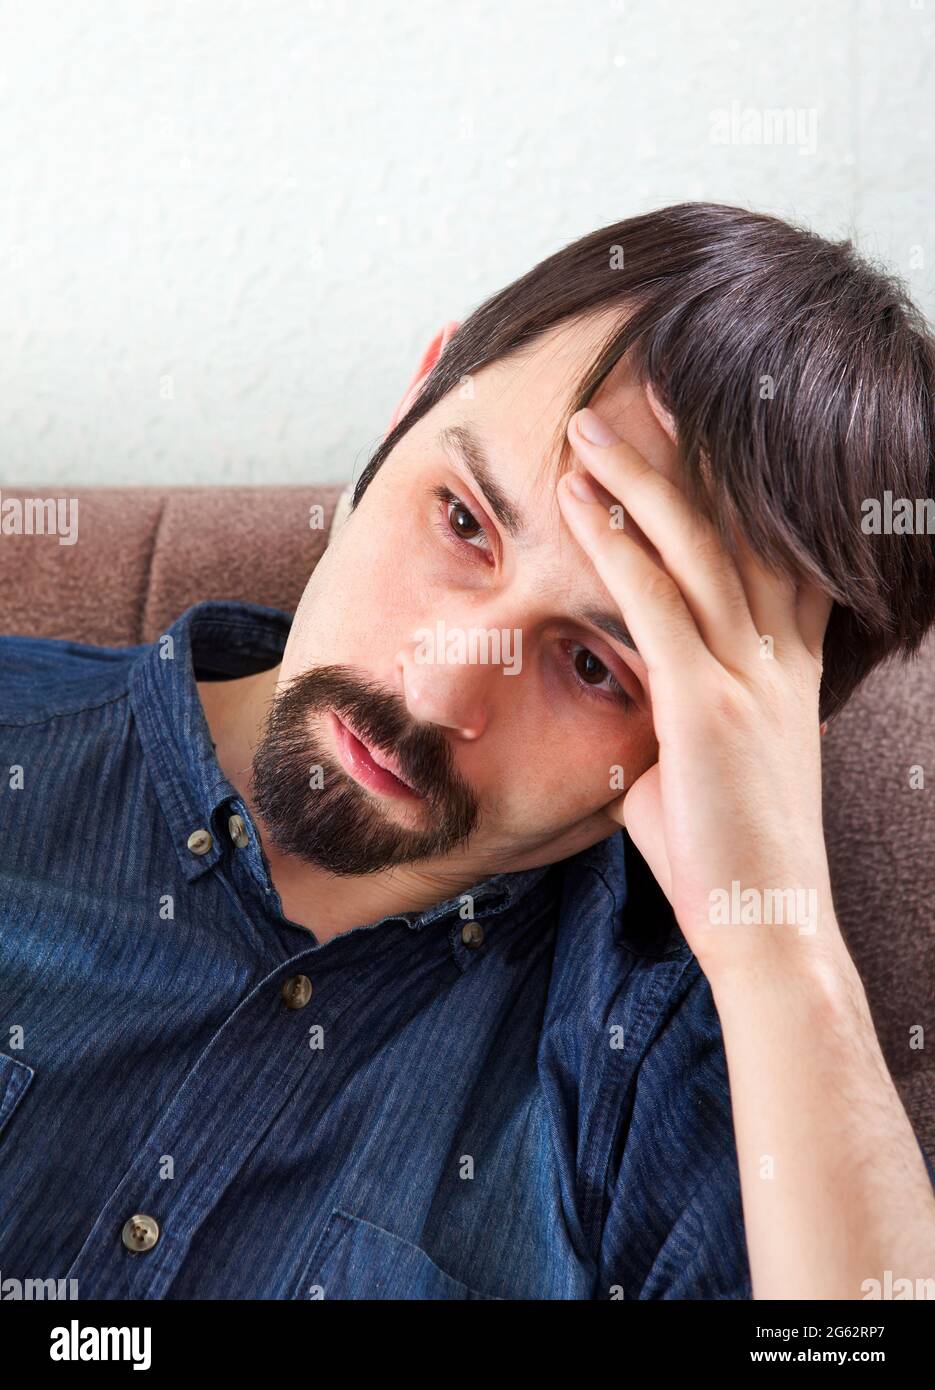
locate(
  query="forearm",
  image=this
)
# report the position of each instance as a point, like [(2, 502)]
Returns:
[(835, 1190)]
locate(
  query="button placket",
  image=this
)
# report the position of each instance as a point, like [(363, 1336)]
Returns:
[(238, 1060)]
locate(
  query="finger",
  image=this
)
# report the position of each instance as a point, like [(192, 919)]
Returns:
[(653, 609), (691, 550), (642, 812), (772, 599)]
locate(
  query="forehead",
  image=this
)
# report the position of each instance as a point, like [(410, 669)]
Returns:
[(521, 406)]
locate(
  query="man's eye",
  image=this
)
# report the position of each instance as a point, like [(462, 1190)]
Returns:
[(590, 678), (590, 672), (458, 524)]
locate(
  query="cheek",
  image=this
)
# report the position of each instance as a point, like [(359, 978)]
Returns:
[(357, 593), (378, 568), (642, 750), (566, 773)]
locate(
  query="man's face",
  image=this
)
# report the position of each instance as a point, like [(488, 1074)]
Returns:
[(512, 750)]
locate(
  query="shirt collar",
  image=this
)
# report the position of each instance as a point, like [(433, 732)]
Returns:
[(221, 636)]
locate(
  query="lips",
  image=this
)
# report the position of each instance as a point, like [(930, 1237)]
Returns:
[(377, 769), (384, 760)]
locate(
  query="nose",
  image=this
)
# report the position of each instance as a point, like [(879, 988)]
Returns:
[(453, 695)]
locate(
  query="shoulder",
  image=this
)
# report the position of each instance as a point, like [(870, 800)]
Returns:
[(42, 678)]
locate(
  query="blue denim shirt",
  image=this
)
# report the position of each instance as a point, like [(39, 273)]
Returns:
[(530, 1105)]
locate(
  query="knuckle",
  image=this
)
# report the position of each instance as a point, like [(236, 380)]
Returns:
[(730, 704)]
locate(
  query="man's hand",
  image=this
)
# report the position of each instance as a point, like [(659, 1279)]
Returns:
[(733, 660), (834, 1188)]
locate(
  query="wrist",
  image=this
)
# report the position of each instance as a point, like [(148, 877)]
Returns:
[(772, 911), (745, 972), (792, 933)]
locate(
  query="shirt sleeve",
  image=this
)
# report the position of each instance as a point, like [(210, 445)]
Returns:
[(674, 1223)]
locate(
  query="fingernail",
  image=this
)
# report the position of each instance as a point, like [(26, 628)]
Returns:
[(579, 484), (594, 428)]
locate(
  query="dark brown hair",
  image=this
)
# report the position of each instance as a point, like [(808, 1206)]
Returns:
[(800, 377)]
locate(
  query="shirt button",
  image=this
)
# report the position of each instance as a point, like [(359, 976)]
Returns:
[(237, 828), (297, 992), (472, 934), (140, 1233), (200, 841)]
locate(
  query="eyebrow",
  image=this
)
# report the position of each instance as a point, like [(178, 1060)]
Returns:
[(466, 445), (609, 623), (468, 448)]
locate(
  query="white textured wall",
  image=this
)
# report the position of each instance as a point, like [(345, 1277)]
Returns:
[(228, 230)]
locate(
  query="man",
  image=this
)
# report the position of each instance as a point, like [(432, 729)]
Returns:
[(323, 971)]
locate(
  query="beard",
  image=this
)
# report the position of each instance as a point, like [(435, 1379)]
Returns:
[(339, 825)]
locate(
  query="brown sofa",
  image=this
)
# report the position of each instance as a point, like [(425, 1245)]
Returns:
[(146, 554)]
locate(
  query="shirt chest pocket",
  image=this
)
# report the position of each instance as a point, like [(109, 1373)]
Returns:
[(15, 1077), (355, 1259)]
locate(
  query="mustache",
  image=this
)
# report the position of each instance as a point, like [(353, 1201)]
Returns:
[(378, 715)]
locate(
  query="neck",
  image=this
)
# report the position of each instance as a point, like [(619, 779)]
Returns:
[(326, 904)]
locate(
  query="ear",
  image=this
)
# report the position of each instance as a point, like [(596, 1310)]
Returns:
[(432, 353), (666, 420)]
